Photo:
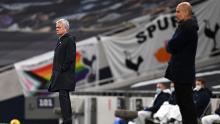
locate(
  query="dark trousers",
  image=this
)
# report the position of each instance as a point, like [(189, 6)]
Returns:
[(65, 106), (184, 99)]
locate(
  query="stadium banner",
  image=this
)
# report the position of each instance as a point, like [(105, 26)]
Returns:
[(34, 73), (208, 17), (142, 51), (87, 58)]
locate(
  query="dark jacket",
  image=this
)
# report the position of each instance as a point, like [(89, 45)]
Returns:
[(172, 99), (63, 73), (201, 99), (182, 47), (159, 100)]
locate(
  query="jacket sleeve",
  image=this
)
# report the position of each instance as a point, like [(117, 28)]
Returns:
[(180, 38), (69, 54)]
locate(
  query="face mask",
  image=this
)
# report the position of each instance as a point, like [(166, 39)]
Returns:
[(158, 90), (198, 87), (172, 89)]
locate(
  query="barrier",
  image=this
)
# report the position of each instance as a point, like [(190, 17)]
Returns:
[(94, 106)]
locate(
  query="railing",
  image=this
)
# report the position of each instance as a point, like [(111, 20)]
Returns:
[(116, 93), (6, 68), (149, 93)]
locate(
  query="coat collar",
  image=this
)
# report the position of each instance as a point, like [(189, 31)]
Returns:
[(65, 35)]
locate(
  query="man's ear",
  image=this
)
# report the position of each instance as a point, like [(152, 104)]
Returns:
[(66, 30)]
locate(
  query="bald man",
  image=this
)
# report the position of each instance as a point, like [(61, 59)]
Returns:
[(181, 67)]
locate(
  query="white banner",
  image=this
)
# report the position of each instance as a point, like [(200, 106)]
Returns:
[(34, 73), (142, 50), (209, 34), (86, 62)]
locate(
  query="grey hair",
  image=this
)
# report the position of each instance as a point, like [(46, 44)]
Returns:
[(65, 22)]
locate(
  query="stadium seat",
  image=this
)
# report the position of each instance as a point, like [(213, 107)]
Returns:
[(126, 114)]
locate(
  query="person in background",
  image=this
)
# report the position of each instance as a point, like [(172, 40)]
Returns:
[(169, 112), (162, 94), (201, 96)]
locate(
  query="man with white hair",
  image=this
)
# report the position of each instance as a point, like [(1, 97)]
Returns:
[(181, 69), (63, 79)]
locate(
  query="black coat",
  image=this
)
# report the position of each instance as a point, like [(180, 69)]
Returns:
[(182, 47), (201, 99), (172, 99), (63, 73), (160, 99)]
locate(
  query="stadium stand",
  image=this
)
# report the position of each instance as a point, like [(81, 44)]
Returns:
[(31, 23)]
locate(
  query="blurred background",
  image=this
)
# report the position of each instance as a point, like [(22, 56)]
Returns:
[(120, 55)]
